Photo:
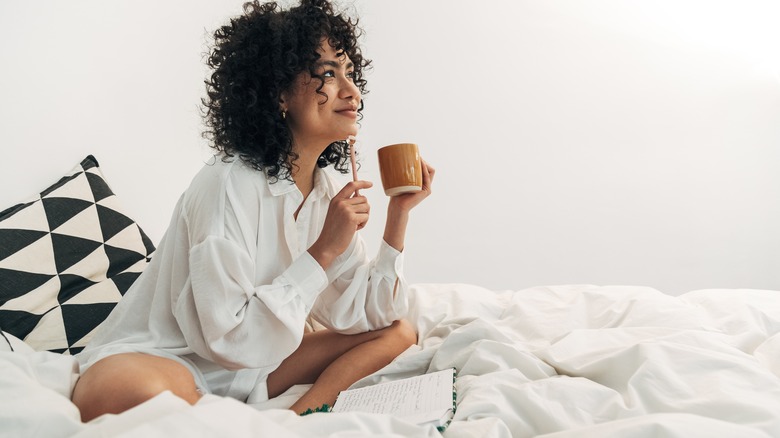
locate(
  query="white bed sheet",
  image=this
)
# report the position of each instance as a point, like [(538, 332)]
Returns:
[(563, 361)]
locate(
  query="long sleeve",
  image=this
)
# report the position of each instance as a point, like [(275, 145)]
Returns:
[(363, 294), (232, 284), (227, 319), (247, 298)]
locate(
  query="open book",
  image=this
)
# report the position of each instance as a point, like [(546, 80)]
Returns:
[(425, 399)]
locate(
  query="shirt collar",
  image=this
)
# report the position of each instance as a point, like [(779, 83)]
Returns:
[(322, 185), (280, 186)]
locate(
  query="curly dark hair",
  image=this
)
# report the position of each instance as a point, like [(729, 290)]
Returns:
[(254, 59)]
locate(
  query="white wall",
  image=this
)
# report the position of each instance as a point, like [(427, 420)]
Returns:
[(605, 142)]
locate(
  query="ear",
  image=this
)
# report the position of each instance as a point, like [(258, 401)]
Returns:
[(283, 101)]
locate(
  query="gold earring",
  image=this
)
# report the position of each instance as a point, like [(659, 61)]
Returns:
[(284, 115)]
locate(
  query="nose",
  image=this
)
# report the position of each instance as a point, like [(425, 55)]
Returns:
[(349, 90)]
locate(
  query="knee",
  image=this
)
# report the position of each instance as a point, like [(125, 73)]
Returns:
[(403, 333), (172, 377), (117, 383)]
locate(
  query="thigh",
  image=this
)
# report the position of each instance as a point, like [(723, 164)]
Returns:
[(316, 352)]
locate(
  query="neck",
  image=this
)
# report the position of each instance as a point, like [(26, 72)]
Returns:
[(303, 169)]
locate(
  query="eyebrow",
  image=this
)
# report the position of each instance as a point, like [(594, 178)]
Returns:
[(334, 64)]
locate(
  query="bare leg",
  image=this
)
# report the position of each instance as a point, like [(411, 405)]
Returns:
[(332, 362), (119, 382)]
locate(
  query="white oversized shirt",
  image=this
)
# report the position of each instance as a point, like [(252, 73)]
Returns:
[(232, 283)]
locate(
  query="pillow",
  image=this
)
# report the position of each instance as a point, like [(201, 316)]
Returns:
[(66, 258), (9, 342)]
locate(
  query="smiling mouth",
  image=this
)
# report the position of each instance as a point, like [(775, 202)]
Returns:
[(350, 112)]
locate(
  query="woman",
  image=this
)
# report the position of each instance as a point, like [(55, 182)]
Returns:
[(263, 238)]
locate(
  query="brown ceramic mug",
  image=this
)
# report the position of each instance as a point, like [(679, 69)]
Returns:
[(400, 168)]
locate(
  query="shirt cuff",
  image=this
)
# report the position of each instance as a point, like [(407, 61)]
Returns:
[(389, 261), (307, 277)]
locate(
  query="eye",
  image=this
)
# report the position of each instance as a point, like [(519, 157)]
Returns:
[(328, 74), (351, 76)]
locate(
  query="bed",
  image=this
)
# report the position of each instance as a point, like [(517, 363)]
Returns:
[(553, 361)]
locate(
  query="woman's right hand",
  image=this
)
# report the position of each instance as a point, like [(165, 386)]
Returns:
[(347, 213)]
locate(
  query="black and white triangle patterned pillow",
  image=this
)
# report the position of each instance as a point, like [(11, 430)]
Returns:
[(66, 258)]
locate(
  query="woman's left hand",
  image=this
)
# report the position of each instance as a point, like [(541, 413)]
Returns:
[(399, 206), (407, 201)]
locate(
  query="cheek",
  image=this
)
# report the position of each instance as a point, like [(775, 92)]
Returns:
[(306, 104), (317, 100)]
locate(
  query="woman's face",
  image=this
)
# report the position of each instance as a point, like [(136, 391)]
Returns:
[(313, 120)]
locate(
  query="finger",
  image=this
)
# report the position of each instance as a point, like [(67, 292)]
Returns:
[(363, 222), (355, 207), (428, 173), (356, 200), (351, 187), (360, 219), (364, 208), (427, 168)]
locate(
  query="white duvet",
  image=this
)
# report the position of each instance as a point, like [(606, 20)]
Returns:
[(564, 361)]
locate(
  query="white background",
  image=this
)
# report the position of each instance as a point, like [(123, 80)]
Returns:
[(603, 142)]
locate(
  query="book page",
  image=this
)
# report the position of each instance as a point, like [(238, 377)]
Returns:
[(421, 399)]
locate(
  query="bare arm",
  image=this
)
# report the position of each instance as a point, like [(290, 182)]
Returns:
[(399, 207)]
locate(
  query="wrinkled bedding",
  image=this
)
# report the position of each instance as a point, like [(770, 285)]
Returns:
[(559, 361)]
